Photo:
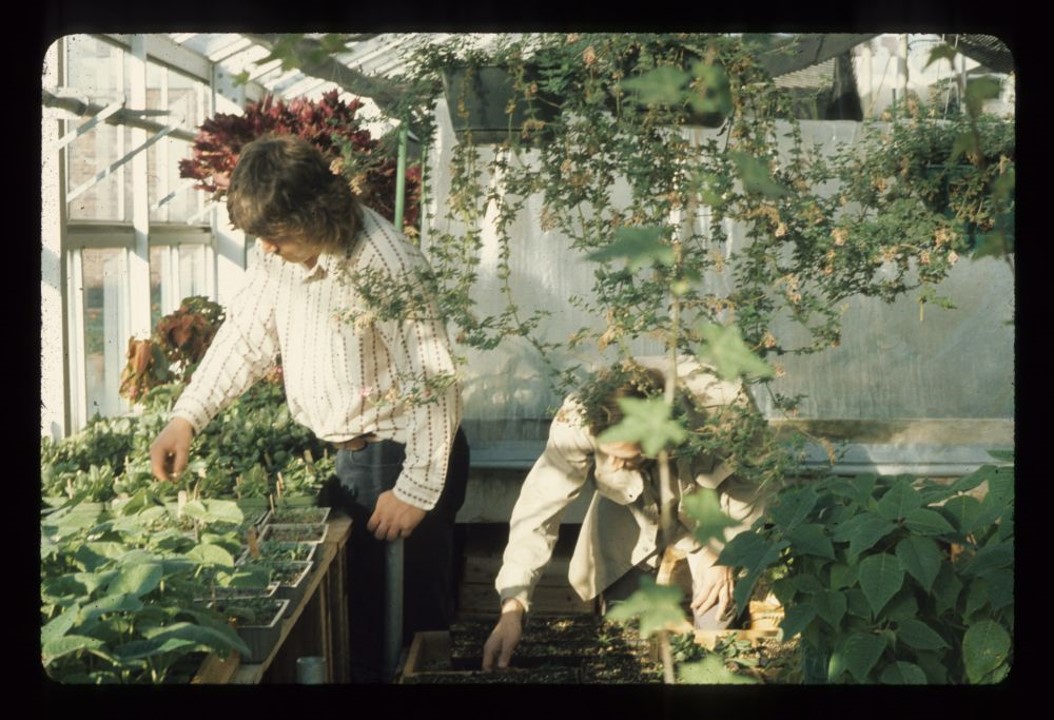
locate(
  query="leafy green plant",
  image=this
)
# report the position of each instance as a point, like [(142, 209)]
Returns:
[(118, 583), (174, 349), (331, 124), (891, 579)]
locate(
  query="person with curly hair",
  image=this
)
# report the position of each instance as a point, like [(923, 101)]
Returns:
[(377, 381), (621, 538)]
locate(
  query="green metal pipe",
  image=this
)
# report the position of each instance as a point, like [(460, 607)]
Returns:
[(400, 178)]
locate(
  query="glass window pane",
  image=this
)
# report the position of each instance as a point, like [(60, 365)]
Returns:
[(94, 69), (176, 273), (173, 199), (105, 329)]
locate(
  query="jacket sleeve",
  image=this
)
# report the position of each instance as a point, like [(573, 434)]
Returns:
[(551, 486)]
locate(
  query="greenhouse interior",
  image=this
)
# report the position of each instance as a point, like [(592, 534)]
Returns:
[(544, 358)]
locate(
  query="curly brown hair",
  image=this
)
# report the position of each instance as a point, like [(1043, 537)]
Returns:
[(283, 186), (602, 390)]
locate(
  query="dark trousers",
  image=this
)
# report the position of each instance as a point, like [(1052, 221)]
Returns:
[(429, 562)]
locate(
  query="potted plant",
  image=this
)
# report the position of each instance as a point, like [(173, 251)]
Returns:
[(291, 575), (257, 621), (282, 550), (295, 532), (898, 580), (958, 167), (173, 351), (288, 515), (332, 125)]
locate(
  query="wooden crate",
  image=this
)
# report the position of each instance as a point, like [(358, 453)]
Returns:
[(560, 650)]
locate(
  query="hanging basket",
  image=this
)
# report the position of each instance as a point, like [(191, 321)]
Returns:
[(487, 108)]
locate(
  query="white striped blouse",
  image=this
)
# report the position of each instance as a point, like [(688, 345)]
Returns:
[(349, 367)]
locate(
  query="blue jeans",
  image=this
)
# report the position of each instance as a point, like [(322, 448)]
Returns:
[(429, 583)]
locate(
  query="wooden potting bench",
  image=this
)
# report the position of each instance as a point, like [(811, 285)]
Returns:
[(317, 626)]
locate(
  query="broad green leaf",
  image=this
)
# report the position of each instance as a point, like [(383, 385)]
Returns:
[(921, 557), (862, 487), (140, 501), (647, 422), (226, 511), (978, 90), (792, 508), (942, 52), (716, 95), (69, 521), (918, 635), (756, 176), (77, 585), (66, 645), (860, 653), (946, 590), (209, 554), (903, 673), (142, 649), (973, 480), (858, 604), (870, 530), (965, 143), (881, 576), (796, 618), (1000, 588), (976, 600), (731, 357), (961, 511), (195, 509), (754, 554), (830, 606), (109, 604), (811, 539), (96, 555), (704, 506), (988, 558), (986, 646), (136, 580), (220, 638), (640, 247), (898, 501), (902, 605), (656, 607), (61, 624), (998, 502), (933, 664), (711, 670), (807, 583), (923, 521), (661, 86), (843, 575), (1003, 455)]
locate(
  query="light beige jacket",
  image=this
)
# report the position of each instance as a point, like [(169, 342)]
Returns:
[(621, 525)]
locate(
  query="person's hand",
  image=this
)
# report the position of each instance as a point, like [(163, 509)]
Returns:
[(715, 584), (392, 518), (170, 450), (497, 651)]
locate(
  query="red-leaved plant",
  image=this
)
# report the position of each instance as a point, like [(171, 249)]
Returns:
[(173, 351), (330, 124)]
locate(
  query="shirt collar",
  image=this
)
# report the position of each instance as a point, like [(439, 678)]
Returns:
[(323, 267)]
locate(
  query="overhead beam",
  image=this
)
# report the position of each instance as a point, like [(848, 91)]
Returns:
[(806, 50), (131, 118), (384, 92)]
